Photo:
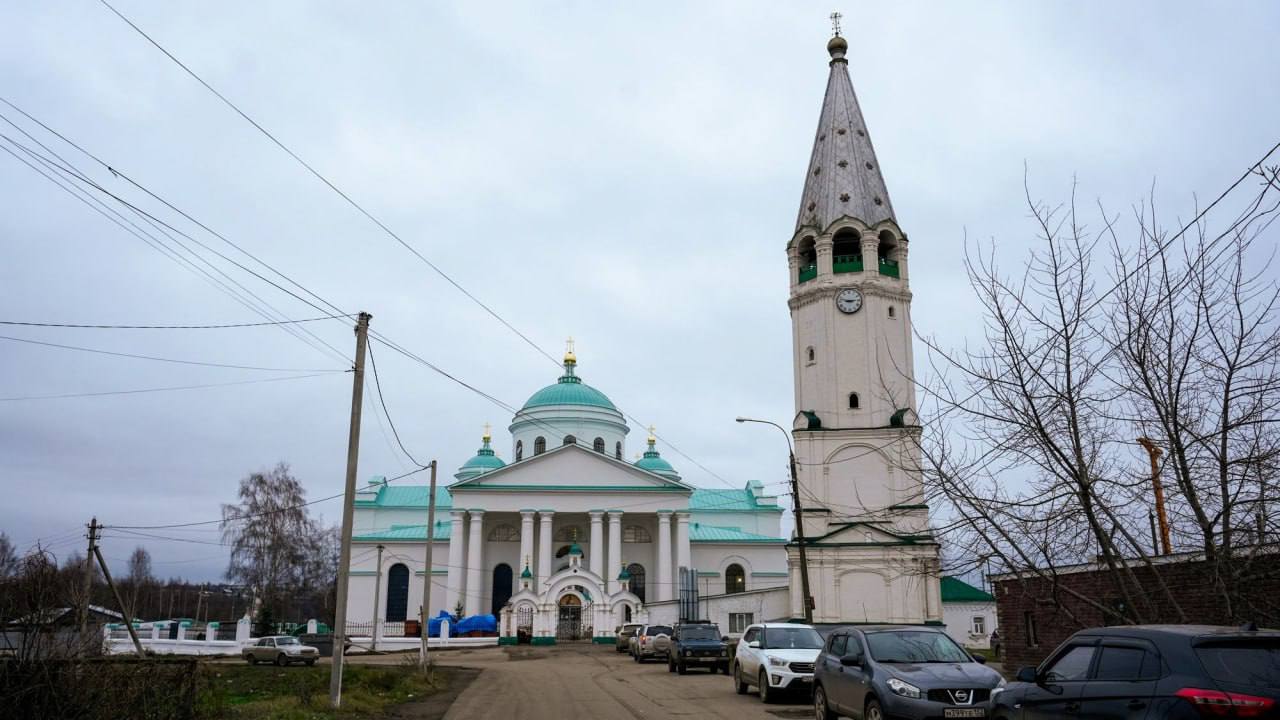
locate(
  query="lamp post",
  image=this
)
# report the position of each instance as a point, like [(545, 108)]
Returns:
[(795, 501)]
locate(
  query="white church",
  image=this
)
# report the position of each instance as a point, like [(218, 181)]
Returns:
[(569, 539)]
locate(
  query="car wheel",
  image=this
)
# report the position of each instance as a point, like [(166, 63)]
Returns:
[(738, 683), (873, 711), (671, 664), (635, 656), (252, 660), (821, 709), (681, 668), (766, 697), (281, 660)]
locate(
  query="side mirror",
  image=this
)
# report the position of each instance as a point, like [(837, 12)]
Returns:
[(851, 660), (1026, 675), (980, 658), (754, 644)]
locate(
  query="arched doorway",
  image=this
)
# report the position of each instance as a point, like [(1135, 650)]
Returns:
[(501, 587), (636, 571), (735, 579), (569, 619), (397, 592)]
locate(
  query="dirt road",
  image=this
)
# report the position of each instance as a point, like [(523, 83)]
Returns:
[(567, 682)]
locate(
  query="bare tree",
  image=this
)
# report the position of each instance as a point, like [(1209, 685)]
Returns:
[(137, 582), (8, 557)]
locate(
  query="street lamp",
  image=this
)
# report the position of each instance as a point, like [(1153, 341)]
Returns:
[(795, 501)]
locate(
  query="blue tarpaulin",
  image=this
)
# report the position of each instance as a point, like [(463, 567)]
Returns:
[(433, 624), (476, 623)]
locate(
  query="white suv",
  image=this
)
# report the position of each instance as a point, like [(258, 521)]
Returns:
[(776, 657)]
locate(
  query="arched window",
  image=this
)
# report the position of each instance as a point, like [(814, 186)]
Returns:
[(570, 440), (598, 445), (808, 353), (501, 587), (617, 450), (397, 593), (539, 445), (846, 252), (636, 571), (504, 533), (569, 533), (808, 257), (635, 534), (890, 311), (853, 401), (519, 450), (735, 579)]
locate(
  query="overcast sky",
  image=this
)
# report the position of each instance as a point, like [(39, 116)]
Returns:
[(625, 175)]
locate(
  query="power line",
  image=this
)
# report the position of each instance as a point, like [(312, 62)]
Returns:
[(165, 389), (377, 383), (330, 184), (163, 359), (173, 327)]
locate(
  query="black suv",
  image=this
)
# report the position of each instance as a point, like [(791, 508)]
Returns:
[(697, 644), (1151, 672)]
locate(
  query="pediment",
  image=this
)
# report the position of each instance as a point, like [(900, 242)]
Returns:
[(570, 468)]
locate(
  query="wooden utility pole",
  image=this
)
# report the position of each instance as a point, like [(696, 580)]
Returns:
[(1155, 452), (348, 510), (377, 599), (426, 574), (88, 576), (106, 573)]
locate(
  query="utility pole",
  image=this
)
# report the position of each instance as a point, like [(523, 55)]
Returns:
[(377, 592), (348, 510), (426, 575), (88, 576), (799, 511), (1155, 453), (106, 573)]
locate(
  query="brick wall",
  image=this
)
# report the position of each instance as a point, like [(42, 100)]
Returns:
[(1056, 614)]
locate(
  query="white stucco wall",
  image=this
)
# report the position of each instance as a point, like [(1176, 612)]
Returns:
[(958, 617)]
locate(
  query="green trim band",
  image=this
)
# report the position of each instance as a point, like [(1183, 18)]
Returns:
[(419, 573), (708, 573), (542, 641), (571, 488), (770, 574), (603, 640), (362, 573), (508, 640)]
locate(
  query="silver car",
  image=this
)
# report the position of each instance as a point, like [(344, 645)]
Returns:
[(281, 650)]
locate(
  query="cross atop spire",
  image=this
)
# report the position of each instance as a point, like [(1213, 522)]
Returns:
[(835, 24), (843, 177)]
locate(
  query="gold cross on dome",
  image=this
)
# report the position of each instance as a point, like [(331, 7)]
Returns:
[(568, 345), (835, 23)]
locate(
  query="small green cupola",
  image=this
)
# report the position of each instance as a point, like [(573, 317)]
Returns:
[(526, 574), (624, 579), (575, 549), (653, 462), (484, 461)]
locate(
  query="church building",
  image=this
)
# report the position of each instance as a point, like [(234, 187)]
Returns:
[(568, 539)]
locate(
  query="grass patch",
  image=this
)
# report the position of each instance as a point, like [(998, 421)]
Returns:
[(302, 693)]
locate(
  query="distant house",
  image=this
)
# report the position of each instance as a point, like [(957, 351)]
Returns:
[(968, 613), (53, 631)]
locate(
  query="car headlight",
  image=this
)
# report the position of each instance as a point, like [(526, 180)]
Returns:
[(905, 689), (687, 653), (999, 688), (777, 662)]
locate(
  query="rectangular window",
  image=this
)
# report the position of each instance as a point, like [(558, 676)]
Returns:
[(738, 622), (838, 644), (979, 625), (1126, 663), (1029, 621)]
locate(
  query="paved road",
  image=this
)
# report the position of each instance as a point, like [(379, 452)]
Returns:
[(567, 682)]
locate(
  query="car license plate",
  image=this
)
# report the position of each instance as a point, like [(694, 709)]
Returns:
[(964, 712)]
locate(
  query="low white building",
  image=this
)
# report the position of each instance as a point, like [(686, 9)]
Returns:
[(968, 612), (569, 538)]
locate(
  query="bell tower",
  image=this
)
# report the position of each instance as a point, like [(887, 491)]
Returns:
[(870, 552)]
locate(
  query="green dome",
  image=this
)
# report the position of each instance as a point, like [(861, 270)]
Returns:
[(575, 549), (569, 390), (526, 574), (484, 461), (653, 462)]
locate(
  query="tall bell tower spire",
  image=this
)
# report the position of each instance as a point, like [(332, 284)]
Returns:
[(870, 552)]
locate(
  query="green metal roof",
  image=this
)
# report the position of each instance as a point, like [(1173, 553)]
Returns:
[(409, 532), (484, 460), (569, 390), (699, 532), (407, 496), (717, 500), (956, 590)]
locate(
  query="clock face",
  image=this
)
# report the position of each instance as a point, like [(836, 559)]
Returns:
[(849, 301)]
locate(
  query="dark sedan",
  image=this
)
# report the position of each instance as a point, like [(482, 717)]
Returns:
[(1151, 672)]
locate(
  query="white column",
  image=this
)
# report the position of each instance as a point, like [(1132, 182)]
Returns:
[(615, 550), (683, 556), (544, 550), (597, 542), (457, 550), (475, 564), (664, 591), (526, 541)]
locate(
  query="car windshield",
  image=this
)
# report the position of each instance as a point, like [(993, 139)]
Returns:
[(914, 646), (286, 641), (700, 633), (658, 630), (1247, 663), (791, 638)]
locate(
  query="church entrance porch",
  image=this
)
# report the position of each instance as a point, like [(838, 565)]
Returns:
[(569, 619)]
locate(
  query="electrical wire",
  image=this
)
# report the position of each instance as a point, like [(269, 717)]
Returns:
[(172, 327), (64, 396), (163, 359)]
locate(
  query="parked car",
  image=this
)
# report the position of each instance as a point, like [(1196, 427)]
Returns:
[(281, 650), (651, 641), (697, 644), (624, 635), (776, 658), (1151, 672), (905, 672)]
